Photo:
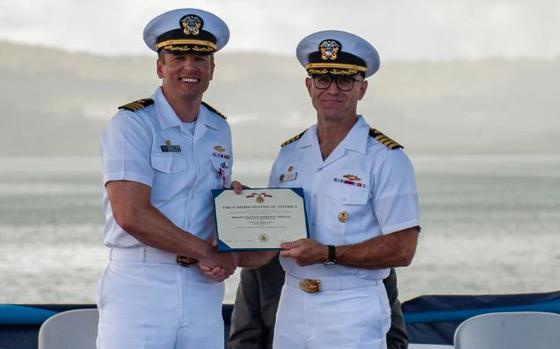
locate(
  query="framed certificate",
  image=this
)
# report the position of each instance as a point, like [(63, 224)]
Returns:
[(259, 219)]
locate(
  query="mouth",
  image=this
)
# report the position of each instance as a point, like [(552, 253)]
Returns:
[(190, 80), (332, 101)]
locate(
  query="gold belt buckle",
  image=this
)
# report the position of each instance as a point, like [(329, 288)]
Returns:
[(185, 261), (310, 285)]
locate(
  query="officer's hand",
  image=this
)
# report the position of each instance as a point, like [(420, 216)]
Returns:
[(216, 274), (238, 187), (305, 251), (218, 266)]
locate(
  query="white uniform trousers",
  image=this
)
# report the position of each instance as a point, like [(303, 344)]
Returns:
[(157, 304), (348, 313)]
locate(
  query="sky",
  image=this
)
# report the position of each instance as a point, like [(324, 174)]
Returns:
[(404, 30)]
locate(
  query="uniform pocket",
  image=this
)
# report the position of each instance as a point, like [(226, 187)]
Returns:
[(346, 206), (384, 308), (167, 169), (100, 288)]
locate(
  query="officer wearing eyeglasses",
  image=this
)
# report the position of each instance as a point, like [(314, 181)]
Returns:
[(361, 204)]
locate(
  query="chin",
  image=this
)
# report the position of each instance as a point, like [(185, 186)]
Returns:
[(331, 115)]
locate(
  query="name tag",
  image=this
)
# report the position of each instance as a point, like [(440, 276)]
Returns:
[(170, 148)]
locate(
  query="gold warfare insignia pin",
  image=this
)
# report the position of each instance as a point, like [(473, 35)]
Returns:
[(343, 216), (329, 49), (219, 152), (352, 177), (191, 24)]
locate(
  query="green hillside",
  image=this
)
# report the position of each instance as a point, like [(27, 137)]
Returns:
[(56, 102)]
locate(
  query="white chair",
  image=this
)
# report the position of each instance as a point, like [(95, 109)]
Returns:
[(513, 330), (70, 329)]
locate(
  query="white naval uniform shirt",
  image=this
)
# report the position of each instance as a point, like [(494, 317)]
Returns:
[(153, 147), (362, 190)]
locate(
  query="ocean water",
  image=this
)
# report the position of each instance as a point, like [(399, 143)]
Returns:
[(491, 224)]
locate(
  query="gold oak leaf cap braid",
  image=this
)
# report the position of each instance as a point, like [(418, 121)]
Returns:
[(381, 138), (137, 105), (293, 139), (212, 109)]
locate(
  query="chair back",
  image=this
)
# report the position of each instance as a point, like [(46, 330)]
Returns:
[(511, 330), (70, 329)]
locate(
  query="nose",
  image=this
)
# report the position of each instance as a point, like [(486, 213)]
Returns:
[(333, 88), (189, 62)]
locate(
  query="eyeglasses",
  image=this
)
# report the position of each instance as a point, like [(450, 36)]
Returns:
[(344, 83)]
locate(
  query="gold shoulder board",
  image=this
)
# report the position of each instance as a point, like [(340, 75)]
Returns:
[(214, 110), (293, 139), (381, 138), (137, 105)]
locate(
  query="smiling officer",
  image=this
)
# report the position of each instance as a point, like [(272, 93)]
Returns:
[(362, 207), (161, 158)]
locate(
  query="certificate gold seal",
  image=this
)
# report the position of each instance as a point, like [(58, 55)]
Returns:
[(263, 237), (342, 216)]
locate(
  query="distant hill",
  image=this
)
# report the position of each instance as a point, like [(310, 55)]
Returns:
[(56, 102)]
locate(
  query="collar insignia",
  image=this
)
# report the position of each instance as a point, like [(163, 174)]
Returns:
[(191, 24), (329, 49)]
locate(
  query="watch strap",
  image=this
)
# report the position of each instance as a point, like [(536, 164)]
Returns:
[(331, 257)]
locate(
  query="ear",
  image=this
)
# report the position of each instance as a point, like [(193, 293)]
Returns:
[(309, 84), (362, 90), (159, 66), (212, 67)]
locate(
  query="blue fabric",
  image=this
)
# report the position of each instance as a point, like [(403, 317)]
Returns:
[(23, 315), (433, 319)]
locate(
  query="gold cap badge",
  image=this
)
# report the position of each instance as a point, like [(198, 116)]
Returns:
[(329, 49), (191, 24)]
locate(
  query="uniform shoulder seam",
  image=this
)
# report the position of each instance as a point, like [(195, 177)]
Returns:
[(383, 139), (137, 105)]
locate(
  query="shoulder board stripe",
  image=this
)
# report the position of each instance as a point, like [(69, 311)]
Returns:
[(293, 139), (137, 105), (381, 138), (214, 110)]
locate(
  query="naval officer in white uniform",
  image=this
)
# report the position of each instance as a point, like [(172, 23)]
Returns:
[(161, 157), (361, 201)]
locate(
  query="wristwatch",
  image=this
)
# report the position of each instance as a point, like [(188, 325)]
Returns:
[(331, 257)]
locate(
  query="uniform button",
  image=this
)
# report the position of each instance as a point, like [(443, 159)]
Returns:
[(342, 216)]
